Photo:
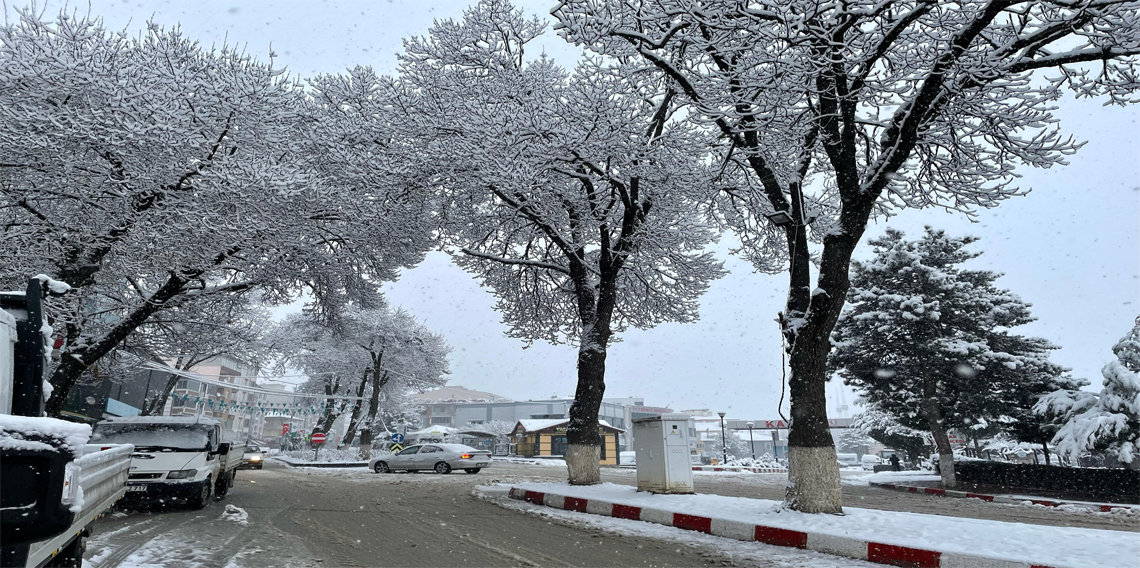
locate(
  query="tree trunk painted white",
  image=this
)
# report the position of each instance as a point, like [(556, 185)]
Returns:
[(365, 451), (813, 480), (946, 470), (583, 463)]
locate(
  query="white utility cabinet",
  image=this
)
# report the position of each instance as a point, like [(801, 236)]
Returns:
[(661, 446)]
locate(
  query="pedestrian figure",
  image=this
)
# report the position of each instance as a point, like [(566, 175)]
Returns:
[(895, 462)]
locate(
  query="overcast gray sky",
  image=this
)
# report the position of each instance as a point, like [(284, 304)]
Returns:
[(1072, 247)]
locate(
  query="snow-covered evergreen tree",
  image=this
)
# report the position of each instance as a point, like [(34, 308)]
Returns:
[(928, 341), (1108, 422)]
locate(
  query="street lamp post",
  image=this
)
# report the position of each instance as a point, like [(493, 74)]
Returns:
[(751, 442), (723, 439)]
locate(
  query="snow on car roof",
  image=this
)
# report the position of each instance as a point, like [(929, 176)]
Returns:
[(455, 447), (161, 420)]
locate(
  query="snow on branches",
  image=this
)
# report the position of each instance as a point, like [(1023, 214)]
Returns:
[(1108, 422), (147, 172)]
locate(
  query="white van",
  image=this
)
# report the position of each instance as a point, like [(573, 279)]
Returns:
[(869, 462), (175, 456), (847, 460)]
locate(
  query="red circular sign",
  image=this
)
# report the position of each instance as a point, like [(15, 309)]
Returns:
[(318, 438)]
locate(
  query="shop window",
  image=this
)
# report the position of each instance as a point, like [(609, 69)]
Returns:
[(558, 445)]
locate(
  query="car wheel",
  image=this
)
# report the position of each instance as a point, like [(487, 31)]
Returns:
[(473, 469), (442, 468), (203, 497), (381, 467)]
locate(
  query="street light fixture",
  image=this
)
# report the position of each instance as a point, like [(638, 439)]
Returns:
[(723, 439), (780, 218), (751, 442)]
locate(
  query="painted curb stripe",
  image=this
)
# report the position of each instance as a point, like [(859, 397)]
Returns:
[(626, 512), (880, 553), (902, 556), (978, 496), (692, 522), (780, 537), (575, 504)]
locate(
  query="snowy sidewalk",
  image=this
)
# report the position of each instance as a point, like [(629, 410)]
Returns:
[(738, 468), (886, 537), (1006, 499)]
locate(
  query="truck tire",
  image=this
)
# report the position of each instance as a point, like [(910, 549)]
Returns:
[(222, 487), (200, 500)]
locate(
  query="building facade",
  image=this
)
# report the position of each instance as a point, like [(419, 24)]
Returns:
[(547, 438)]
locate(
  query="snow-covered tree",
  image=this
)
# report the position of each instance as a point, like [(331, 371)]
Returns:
[(374, 356), (928, 341), (1108, 422), (573, 196), (148, 172), (853, 441), (833, 113), (732, 444), (496, 427), (883, 428)]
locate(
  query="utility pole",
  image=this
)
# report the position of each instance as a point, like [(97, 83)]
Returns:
[(723, 439)]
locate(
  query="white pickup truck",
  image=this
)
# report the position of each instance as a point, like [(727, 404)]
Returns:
[(179, 457)]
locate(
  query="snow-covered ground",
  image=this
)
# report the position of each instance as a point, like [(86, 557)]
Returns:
[(1016, 542), (901, 477), (742, 553)]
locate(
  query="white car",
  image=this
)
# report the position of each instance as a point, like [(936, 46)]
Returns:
[(440, 458)]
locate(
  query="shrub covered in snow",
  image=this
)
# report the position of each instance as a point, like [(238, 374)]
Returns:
[(1108, 422)]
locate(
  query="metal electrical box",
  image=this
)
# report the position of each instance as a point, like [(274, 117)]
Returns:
[(661, 444)]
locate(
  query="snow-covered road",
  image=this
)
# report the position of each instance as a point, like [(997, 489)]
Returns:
[(307, 517)]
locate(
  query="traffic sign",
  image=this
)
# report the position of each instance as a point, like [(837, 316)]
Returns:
[(318, 438), (395, 448), (397, 438)]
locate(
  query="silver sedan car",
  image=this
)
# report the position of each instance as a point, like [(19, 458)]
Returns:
[(440, 458)]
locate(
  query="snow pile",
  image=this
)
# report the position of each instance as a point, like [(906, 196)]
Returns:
[(235, 514), (21, 433), (54, 285), (765, 460), (1014, 542), (902, 477), (330, 455)]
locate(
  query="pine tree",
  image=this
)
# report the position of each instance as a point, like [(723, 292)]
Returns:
[(1108, 422), (927, 341)]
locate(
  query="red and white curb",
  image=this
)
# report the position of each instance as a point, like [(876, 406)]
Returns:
[(939, 492), (740, 468), (892, 555)]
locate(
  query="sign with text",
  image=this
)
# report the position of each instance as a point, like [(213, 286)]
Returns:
[(780, 424)]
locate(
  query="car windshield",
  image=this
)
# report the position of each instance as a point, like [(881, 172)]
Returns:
[(161, 436)]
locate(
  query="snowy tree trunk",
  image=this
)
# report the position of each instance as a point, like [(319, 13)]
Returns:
[(813, 472), (75, 361), (354, 418), (583, 441), (810, 316), (380, 379), (1045, 449), (941, 439)]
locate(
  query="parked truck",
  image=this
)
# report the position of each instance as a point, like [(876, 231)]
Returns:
[(175, 457), (53, 485)]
